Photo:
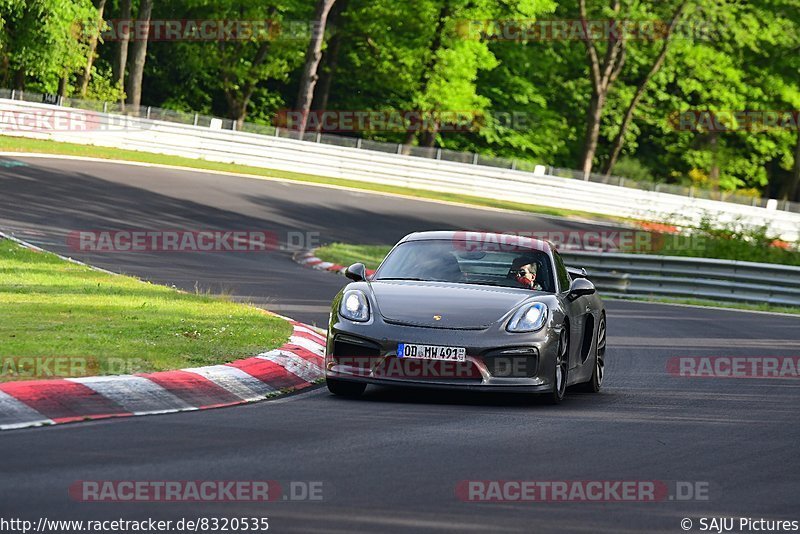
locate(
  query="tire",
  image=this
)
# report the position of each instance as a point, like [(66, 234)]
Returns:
[(343, 388), (595, 383), (560, 369)]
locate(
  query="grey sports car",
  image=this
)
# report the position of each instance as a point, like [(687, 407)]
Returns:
[(467, 310)]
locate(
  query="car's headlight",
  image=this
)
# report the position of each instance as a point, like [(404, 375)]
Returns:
[(354, 306), (528, 318)]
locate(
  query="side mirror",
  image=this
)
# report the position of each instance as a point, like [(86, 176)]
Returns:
[(356, 272), (580, 287)]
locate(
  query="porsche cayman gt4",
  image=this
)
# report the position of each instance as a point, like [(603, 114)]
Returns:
[(467, 310)]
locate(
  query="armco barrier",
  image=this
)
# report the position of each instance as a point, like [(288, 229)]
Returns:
[(701, 278), (102, 129)]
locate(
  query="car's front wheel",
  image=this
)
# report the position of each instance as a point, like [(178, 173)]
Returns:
[(561, 369), (343, 388)]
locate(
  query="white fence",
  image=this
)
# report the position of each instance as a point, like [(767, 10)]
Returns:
[(77, 126)]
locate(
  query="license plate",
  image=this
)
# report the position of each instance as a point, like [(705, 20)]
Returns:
[(431, 352)]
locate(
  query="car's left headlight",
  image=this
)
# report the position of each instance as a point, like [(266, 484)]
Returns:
[(354, 306), (529, 318)]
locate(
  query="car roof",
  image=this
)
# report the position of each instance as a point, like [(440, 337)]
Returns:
[(482, 237)]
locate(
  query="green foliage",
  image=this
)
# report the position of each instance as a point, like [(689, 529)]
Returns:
[(633, 169), (43, 39)]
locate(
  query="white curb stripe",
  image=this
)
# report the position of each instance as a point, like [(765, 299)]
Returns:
[(235, 380), (314, 333), (294, 364), (13, 411), (134, 393), (308, 344)]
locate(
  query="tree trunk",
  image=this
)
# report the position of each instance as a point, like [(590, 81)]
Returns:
[(313, 56), (19, 79), (83, 80), (602, 73), (427, 71), (62, 84), (139, 56), (619, 140), (594, 117), (331, 60), (794, 187), (122, 51), (429, 136)]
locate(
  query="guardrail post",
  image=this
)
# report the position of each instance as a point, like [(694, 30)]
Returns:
[(475, 159), (399, 148), (318, 138), (277, 132), (438, 153), (13, 92), (513, 165), (358, 142), (196, 119), (105, 107), (148, 112)]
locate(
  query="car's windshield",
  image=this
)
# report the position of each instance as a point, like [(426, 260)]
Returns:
[(462, 262)]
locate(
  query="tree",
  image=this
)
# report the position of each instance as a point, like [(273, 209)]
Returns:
[(134, 87), (308, 80), (83, 78), (39, 41), (121, 60)]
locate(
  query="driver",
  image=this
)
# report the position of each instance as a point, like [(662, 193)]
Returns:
[(524, 272)]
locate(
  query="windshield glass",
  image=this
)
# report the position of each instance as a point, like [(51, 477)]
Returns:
[(458, 261)]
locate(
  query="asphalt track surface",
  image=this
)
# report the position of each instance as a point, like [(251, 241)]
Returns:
[(391, 460)]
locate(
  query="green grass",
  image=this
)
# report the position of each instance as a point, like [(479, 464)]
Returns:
[(372, 255), (705, 243), (118, 324), (20, 144), (344, 254)]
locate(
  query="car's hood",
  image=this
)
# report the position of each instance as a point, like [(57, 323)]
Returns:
[(456, 305)]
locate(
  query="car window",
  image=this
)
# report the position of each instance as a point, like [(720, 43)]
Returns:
[(458, 261), (564, 279)]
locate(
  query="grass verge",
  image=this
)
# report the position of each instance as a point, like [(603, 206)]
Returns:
[(21, 144), (105, 324), (346, 254), (372, 255)]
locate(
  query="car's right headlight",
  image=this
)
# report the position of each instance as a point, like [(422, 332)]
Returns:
[(529, 318), (354, 306)]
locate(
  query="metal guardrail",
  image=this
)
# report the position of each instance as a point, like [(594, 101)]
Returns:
[(443, 154), (617, 274)]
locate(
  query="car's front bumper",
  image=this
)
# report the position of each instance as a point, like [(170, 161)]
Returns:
[(496, 360)]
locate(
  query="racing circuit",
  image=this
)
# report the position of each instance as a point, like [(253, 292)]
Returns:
[(392, 460)]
